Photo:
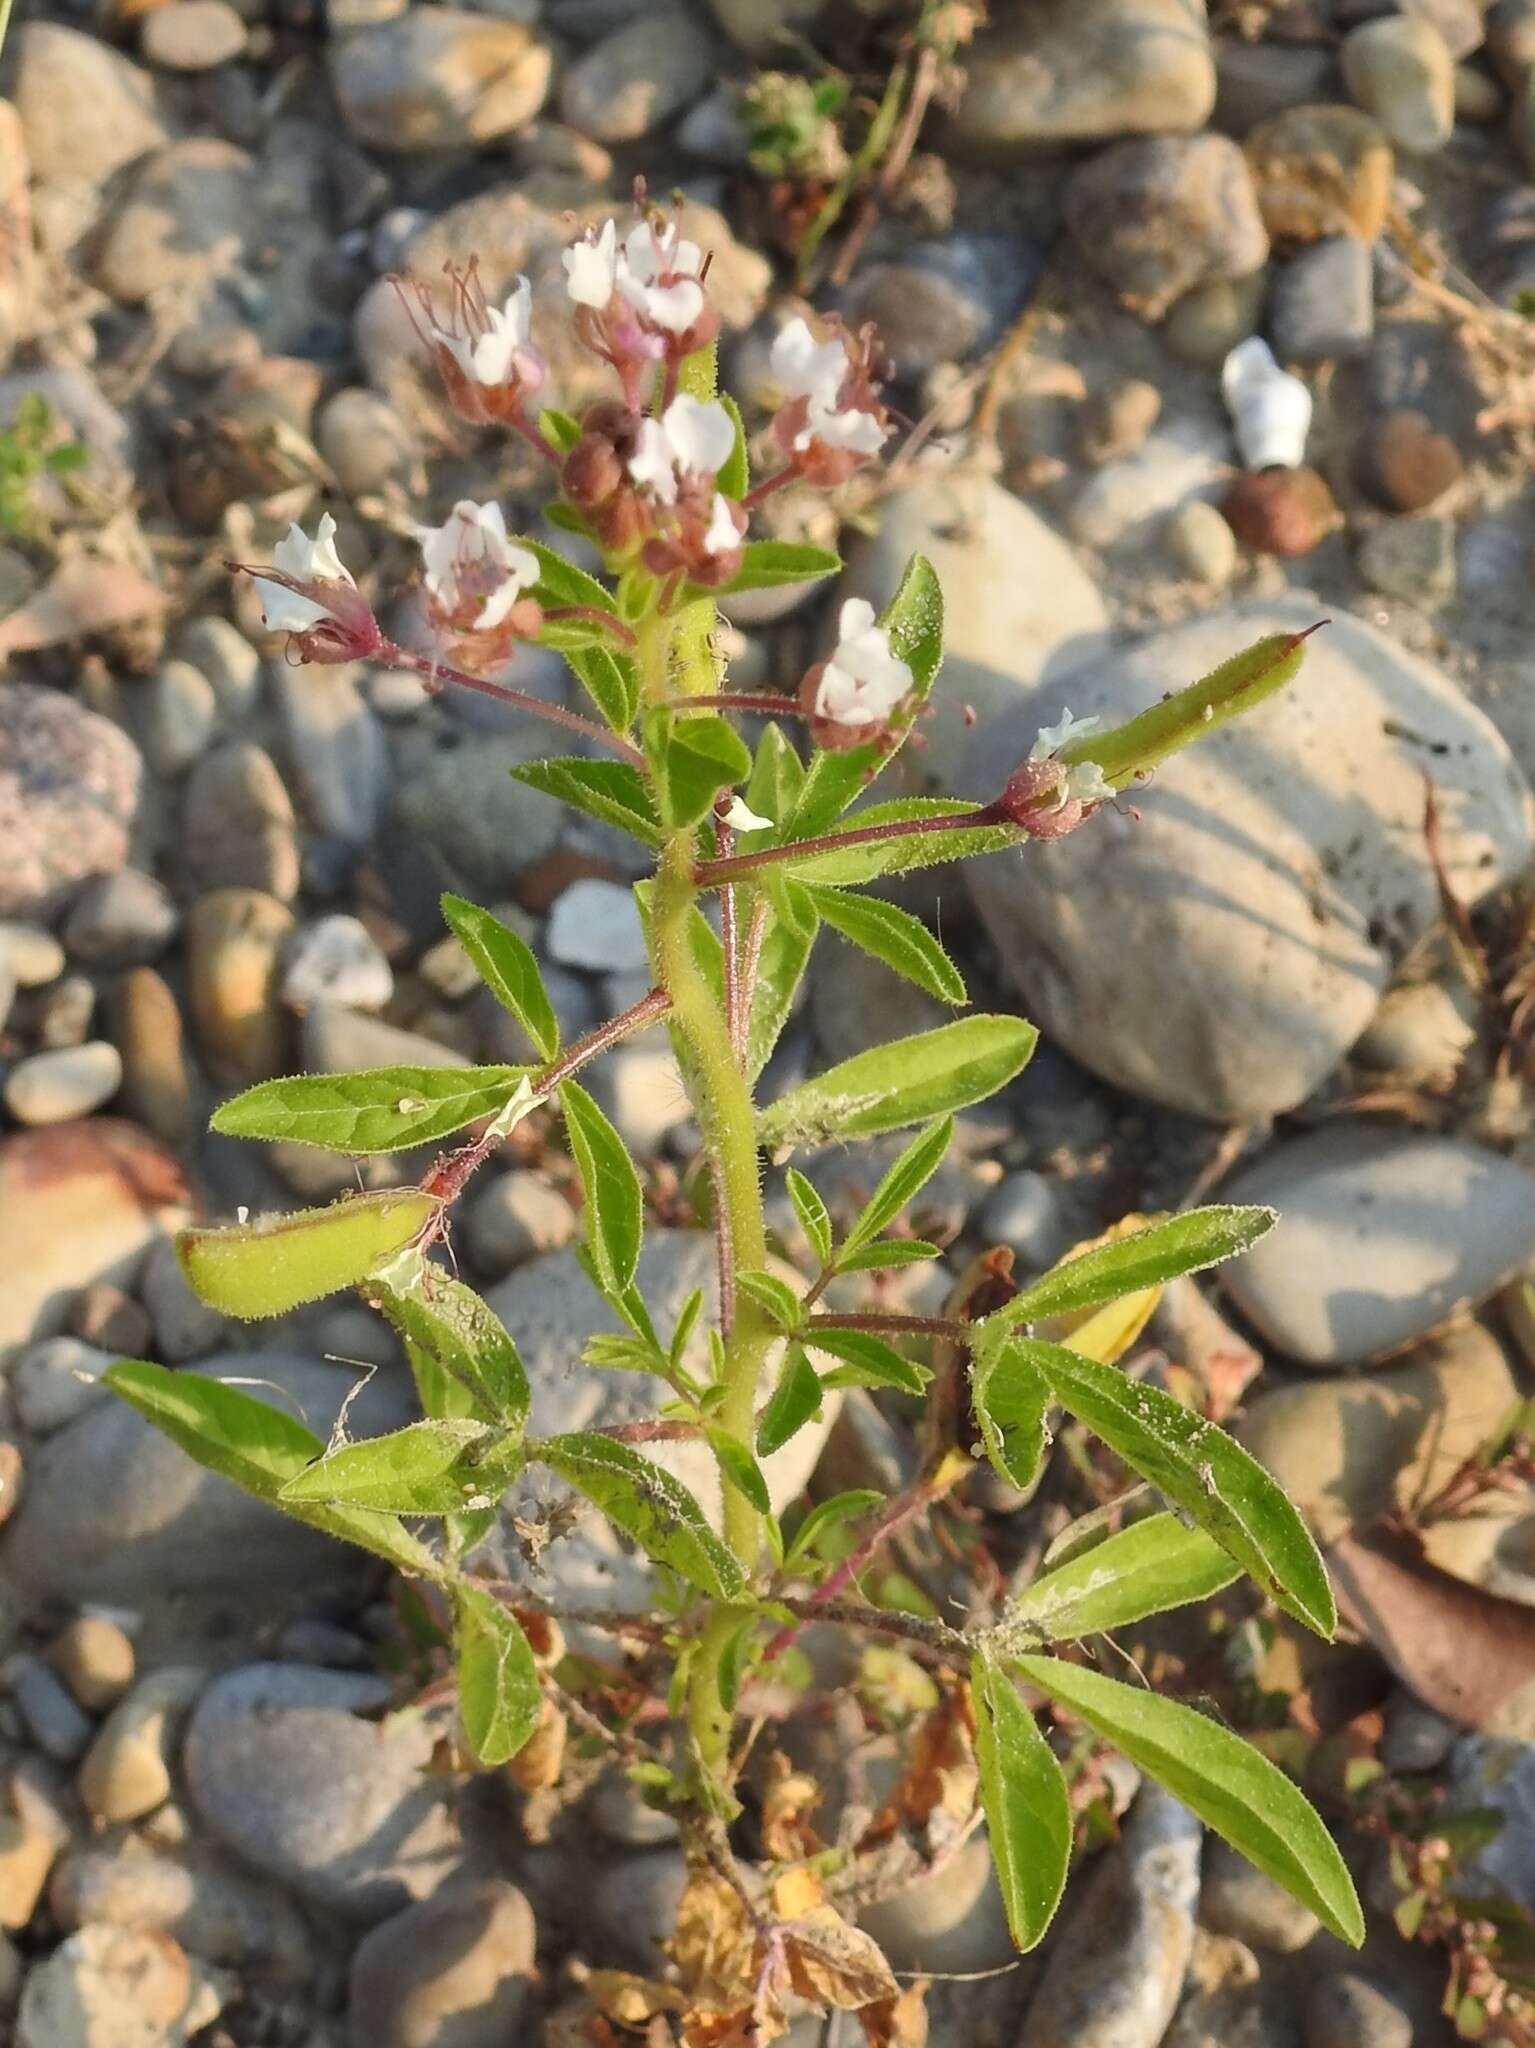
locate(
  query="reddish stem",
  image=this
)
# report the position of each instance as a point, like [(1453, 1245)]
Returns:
[(710, 874), (900, 1513), (594, 616), (768, 485), (896, 1325), (395, 656), (769, 701)]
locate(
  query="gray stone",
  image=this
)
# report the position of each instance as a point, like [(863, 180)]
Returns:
[(454, 1971), (1350, 2012), (633, 81), (238, 829), (121, 920), (1323, 302), (224, 655), (69, 792), (1383, 1235), (337, 756), (284, 1770), (484, 828), (1125, 502), (1220, 951), (211, 1911), (1025, 1214), (1238, 1899), (184, 1326), (56, 1380), (1254, 81), (944, 301), (336, 960), (514, 1217), (631, 1910), (1117, 1967), (126, 1772), (1416, 1739), (1019, 609), (181, 716), (620, 1814), (109, 1987), (596, 925), (438, 78), (114, 1511), (1400, 70), (192, 35), (760, 27), (1202, 543), (1412, 559), (951, 1923), (1158, 216), (1084, 70), (366, 443), (182, 223), (1499, 1771), (640, 1087), (85, 109), (95, 1658), (53, 1087), (53, 1720), (32, 953), (338, 1041)]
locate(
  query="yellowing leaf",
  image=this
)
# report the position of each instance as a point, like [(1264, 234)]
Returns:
[(836, 1963)]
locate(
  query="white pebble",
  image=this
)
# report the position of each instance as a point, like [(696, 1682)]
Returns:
[(337, 960), (52, 1087)]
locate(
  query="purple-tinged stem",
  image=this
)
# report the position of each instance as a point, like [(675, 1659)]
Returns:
[(711, 874), (594, 616), (393, 655)]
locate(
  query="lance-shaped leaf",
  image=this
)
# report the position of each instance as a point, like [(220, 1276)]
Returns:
[(610, 681), (693, 758), (1229, 1784), (894, 936), (1153, 1565), (453, 1340), (866, 861), (765, 564), (814, 1216), (1011, 1400), (777, 777), (648, 1504), (610, 790), (509, 969), (258, 1447), (563, 586), (740, 1468), (904, 1082), (382, 1109), (615, 1202), (781, 963), (1236, 686), (1196, 1467), (868, 1360), (900, 1185), (439, 1467), (1028, 1811), (267, 1267), (498, 1692), (795, 1399), (734, 474), (1146, 1258)]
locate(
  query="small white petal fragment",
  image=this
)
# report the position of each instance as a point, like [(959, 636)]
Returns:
[(740, 818), (1270, 410)]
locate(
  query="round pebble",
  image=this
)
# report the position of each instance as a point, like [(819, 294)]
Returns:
[(1400, 70), (1404, 463), (95, 1659), (192, 35), (1203, 543), (32, 953), (52, 1087), (336, 960), (121, 920), (1350, 2012)]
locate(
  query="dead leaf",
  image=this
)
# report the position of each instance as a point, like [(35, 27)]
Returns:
[(714, 1944), (836, 1963), (630, 2000), (84, 595), (1465, 1653), (537, 1765), (786, 1834), (898, 2022), (941, 1780), (796, 1893)]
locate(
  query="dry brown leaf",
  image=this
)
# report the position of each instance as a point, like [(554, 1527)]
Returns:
[(537, 1765), (786, 1833), (714, 1944), (836, 1963), (82, 596), (630, 2000), (796, 1893), (941, 1780), (898, 2022), (1465, 1653), (730, 2029)]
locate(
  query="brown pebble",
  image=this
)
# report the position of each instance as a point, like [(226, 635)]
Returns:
[(1404, 464), (105, 1316), (1281, 511)]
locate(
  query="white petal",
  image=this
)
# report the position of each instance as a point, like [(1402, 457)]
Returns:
[(1086, 783), (840, 697), (294, 553), (522, 566), (856, 616), (1053, 737), (642, 257), (671, 307), (740, 819), (701, 434), (517, 313), (854, 429), (490, 356), (284, 610), (806, 368), (722, 534), (590, 268), (497, 605), (652, 464)]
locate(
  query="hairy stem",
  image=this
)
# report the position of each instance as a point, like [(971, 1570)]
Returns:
[(709, 874), (394, 656)]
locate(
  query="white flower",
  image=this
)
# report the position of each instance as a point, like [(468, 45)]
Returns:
[(1085, 781), (591, 267), (863, 682), (471, 544), (722, 533), (691, 438), (853, 429), (740, 819), (807, 368), (657, 273), (306, 561), (490, 356)]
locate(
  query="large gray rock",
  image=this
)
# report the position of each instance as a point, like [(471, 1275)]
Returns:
[(635, 79), (482, 828), (1218, 946), (85, 110), (1382, 1235), (285, 1772), (454, 1971), (182, 223), (69, 793), (1019, 610), (438, 78), (114, 1511), (1053, 71)]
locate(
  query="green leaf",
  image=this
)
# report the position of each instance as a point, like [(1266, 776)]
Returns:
[(610, 680), (693, 759), (904, 1082), (1232, 1787), (795, 1399), (1146, 1258), (698, 374), (610, 790), (615, 1202), (1133, 749), (1011, 1402), (649, 1505), (825, 1518), (382, 1109), (814, 1217), (559, 429), (1028, 1810), (508, 967), (773, 1295), (1151, 1566), (426, 1468), (267, 1267), (902, 1183), (259, 1447), (767, 563), (734, 474), (903, 854), (777, 776), (870, 1360), (781, 964), (893, 935), (890, 1251), (561, 584), (452, 1338), (498, 1693), (740, 1468), (1198, 1468)]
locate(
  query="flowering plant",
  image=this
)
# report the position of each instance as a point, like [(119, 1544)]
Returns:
[(753, 855)]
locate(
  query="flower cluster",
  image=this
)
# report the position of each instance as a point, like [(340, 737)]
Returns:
[(1051, 796), (649, 486), (483, 354), (833, 418)]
